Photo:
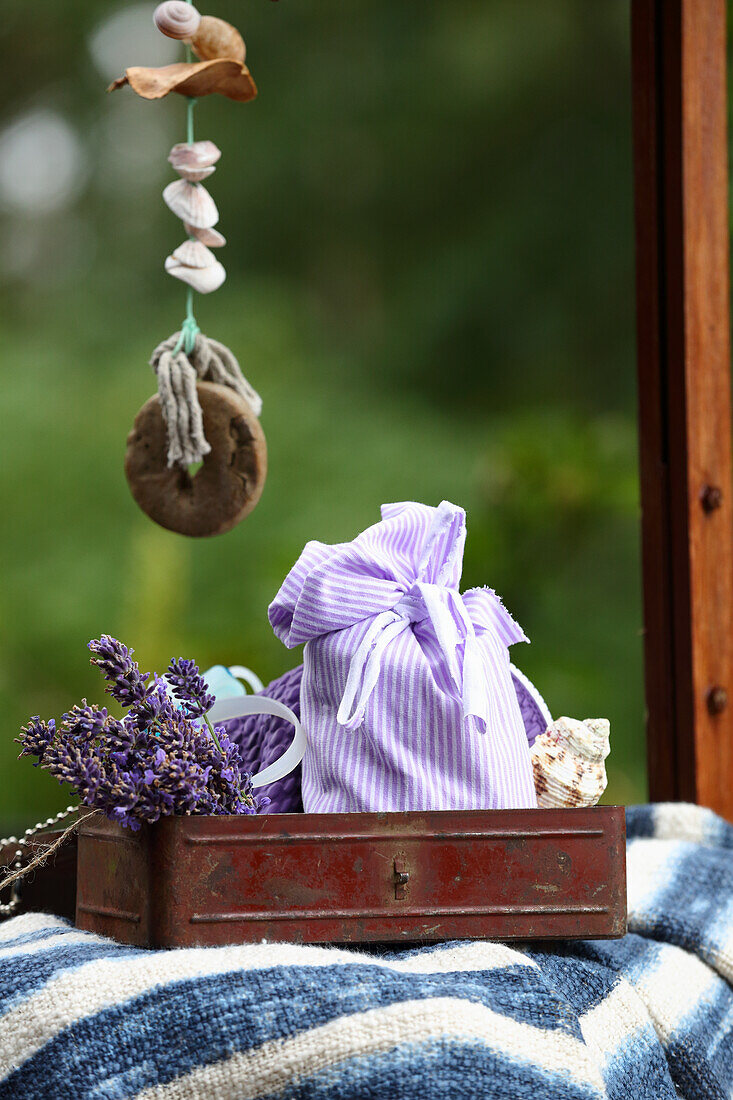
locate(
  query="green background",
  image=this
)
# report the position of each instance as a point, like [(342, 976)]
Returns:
[(430, 282)]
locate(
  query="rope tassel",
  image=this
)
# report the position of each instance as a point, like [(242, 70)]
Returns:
[(178, 373)]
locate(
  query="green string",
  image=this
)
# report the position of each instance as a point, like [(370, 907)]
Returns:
[(189, 328), (191, 104)]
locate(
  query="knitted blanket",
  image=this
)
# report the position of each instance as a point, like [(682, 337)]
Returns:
[(648, 1017)]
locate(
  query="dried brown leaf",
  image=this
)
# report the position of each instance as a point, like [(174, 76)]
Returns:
[(217, 38), (220, 76)]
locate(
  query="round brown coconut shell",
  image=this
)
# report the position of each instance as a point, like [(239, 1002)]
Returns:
[(227, 486)]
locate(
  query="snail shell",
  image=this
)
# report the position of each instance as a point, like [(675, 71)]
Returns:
[(194, 254), (202, 279), (212, 238), (569, 762), (216, 38), (196, 161), (192, 203), (177, 19)]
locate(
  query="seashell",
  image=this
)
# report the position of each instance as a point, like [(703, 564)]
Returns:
[(177, 19), (196, 161), (195, 175), (197, 154), (568, 762), (216, 38), (202, 279), (212, 238), (192, 203), (193, 79), (194, 254)]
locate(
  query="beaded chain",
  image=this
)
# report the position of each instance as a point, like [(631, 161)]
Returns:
[(9, 908)]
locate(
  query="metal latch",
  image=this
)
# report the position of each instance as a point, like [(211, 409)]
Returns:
[(401, 878)]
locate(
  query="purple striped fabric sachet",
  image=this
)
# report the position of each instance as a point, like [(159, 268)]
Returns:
[(407, 695)]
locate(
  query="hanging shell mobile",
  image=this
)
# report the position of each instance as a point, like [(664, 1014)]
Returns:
[(205, 413), (569, 762)]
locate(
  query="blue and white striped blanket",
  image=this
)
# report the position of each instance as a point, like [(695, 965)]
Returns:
[(648, 1017)]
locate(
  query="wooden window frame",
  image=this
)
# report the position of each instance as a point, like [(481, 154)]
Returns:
[(680, 125)]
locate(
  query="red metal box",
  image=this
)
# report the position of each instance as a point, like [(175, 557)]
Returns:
[(337, 878)]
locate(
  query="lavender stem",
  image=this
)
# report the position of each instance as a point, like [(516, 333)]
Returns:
[(212, 731)]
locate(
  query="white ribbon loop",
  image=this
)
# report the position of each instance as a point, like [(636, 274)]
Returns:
[(241, 672), (241, 706)]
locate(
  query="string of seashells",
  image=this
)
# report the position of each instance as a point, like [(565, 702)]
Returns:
[(196, 457), (193, 262)]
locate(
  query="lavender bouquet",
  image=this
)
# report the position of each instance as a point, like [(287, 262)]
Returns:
[(163, 757)]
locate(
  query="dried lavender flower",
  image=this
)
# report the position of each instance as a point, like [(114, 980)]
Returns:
[(125, 682), (85, 723), (155, 761), (156, 708), (189, 687), (36, 737)]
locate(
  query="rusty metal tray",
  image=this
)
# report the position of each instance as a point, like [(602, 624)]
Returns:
[(344, 878)]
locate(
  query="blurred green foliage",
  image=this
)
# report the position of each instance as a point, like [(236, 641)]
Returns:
[(430, 281)]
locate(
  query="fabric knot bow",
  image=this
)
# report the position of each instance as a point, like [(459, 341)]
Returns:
[(403, 574)]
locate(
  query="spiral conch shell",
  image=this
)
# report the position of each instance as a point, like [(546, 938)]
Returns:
[(569, 762)]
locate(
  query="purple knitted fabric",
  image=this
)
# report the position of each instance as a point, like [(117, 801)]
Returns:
[(262, 738), (535, 714), (407, 696)]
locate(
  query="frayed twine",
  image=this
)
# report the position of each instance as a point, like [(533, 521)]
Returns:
[(178, 373), (43, 855)]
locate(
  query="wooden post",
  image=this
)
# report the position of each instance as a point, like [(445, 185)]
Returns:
[(681, 179)]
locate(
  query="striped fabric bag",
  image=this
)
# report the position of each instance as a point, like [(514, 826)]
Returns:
[(407, 696)]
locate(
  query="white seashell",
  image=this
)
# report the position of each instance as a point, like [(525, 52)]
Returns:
[(199, 154), (195, 161), (202, 279), (210, 237), (177, 19), (192, 203), (568, 762), (194, 254), (598, 745), (195, 175)]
